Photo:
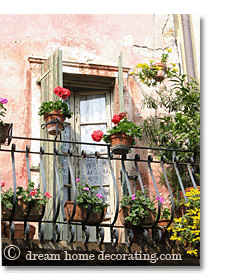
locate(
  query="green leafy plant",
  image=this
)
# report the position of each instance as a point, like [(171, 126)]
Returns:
[(186, 230), (121, 125), (88, 195), (28, 195), (141, 206), (58, 105)]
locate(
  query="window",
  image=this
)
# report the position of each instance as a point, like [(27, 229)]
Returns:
[(92, 111)]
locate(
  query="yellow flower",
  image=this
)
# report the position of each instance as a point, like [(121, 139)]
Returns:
[(193, 252), (174, 64), (175, 70), (168, 50)]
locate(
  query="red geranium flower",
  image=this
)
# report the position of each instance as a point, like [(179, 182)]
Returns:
[(65, 93), (122, 115), (47, 194), (97, 135), (32, 193), (116, 119), (62, 92)]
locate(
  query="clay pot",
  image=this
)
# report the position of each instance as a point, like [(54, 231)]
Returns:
[(52, 127), (125, 211), (21, 210), (120, 143), (19, 231), (161, 73), (4, 132), (80, 214)]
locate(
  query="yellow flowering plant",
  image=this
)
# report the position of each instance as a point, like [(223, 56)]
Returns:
[(186, 230), (148, 72)]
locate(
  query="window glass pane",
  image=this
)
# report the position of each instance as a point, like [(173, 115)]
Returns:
[(92, 173), (92, 108)]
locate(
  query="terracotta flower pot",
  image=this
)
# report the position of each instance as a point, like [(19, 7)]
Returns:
[(161, 73), (19, 231), (21, 210), (4, 131), (120, 143), (125, 211), (52, 127), (80, 214)]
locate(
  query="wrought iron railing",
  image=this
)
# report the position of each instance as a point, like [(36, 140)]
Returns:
[(158, 232)]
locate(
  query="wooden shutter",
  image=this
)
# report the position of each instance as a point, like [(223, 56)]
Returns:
[(51, 77), (120, 84)]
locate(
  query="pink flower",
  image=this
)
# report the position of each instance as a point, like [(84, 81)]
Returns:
[(97, 135), (133, 197), (99, 195), (3, 100), (160, 198), (2, 184), (86, 189), (47, 194), (34, 192), (77, 180)]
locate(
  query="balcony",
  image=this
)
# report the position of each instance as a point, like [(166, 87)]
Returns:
[(55, 232)]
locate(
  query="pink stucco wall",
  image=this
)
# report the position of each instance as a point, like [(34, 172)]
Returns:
[(83, 38)]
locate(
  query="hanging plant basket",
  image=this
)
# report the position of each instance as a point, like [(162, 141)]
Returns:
[(120, 143), (54, 122), (4, 132), (81, 213), (125, 211), (19, 231), (21, 211), (161, 73)]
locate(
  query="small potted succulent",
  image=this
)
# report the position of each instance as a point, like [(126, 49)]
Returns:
[(4, 127), (121, 136), (56, 110), (88, 202), (156, 71), (30, 197)]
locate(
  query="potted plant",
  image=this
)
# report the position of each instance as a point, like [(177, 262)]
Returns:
[(88, 201), (4, 127), (186, 229), (137, 210), (155, 72), (26, 199), (121, 136), (56, 110)]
